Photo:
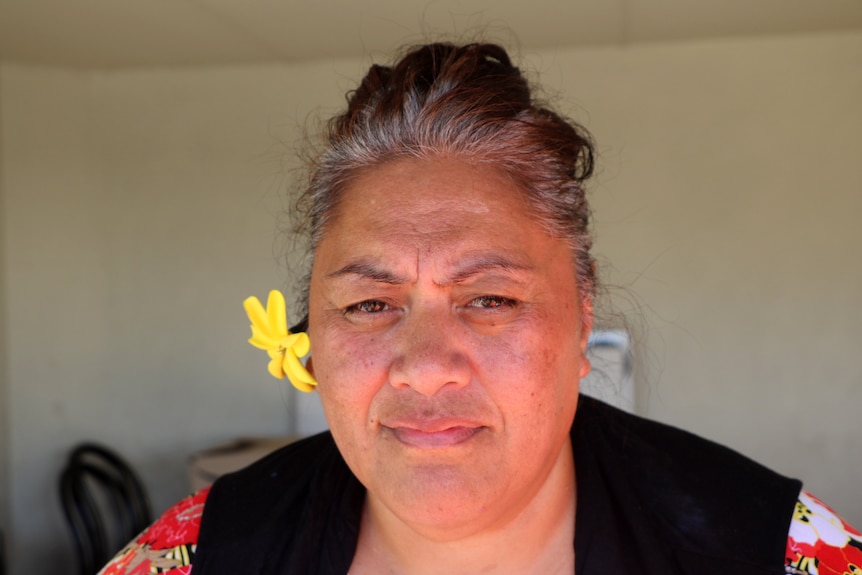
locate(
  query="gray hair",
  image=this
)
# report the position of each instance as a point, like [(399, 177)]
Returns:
[(460, 101)]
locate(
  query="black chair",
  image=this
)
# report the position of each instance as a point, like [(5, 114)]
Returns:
[(104, 502)]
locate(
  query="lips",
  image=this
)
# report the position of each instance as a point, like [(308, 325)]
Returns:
[(435, 437), (430, 430)]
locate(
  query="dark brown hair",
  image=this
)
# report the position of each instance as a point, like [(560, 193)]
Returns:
[(466, 101)]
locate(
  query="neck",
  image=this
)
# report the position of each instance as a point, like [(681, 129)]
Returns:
[(538, 539)]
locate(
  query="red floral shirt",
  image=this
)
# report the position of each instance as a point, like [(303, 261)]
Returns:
[(819, 542), (167, 546)]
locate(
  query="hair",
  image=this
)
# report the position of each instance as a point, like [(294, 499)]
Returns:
[(467, 101)]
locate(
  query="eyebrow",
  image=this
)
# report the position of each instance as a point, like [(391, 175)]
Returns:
[(485, 263), (370, 271), (476, 265)]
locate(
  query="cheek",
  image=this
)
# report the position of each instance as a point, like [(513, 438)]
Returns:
[(535, 373), (512, 372), (350, 371)]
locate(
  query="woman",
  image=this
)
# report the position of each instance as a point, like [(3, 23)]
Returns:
[(449, 306)]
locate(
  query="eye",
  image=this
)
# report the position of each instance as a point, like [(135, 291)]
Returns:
[(492, 302), (368, 306)]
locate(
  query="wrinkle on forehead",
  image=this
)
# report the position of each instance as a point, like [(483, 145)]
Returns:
[(433, 223), (423, 194), (419, 212), (431, 215), (450, 205), (466, 267)]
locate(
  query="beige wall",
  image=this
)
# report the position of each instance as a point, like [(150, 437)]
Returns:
[(728, 203), (4, 404), (140, 208)]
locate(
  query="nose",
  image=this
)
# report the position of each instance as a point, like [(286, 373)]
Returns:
[(430, 353)]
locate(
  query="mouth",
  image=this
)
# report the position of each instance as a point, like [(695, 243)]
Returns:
[(434, 437)]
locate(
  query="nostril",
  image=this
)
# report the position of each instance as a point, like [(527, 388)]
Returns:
[(428, 369)]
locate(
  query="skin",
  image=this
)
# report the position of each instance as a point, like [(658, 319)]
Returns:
[(449, 339)]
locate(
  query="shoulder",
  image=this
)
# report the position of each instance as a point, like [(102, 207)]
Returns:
[(820, 541), (284, 476), (682, 455), (167, 546), (696, 497), (299, 506)]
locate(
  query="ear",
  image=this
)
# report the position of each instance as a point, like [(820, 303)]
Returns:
[(309, 367)]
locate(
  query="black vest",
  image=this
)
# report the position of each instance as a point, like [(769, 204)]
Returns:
[(651, 500)]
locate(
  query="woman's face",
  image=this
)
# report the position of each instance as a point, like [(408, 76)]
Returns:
[(448, 340)]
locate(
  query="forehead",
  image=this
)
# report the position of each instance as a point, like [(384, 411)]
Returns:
[(437, 210), (430, 194)]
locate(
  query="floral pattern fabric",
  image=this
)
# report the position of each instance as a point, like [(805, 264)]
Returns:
[(167, 546), (819, 542)]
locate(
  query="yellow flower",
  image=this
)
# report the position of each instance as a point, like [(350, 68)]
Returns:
[(269, 332)]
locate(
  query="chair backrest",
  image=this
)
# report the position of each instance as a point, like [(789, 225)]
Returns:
[(104, 502)]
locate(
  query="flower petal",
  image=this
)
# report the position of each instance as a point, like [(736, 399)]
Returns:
[(256, 313), (298, 375), (275, 311), (275, 368), (302, 345), (298, 342), (261, 340)]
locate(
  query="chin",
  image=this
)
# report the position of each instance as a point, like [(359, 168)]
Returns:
[(446, 499)]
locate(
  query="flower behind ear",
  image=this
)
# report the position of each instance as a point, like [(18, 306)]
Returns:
[(269, 332)]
